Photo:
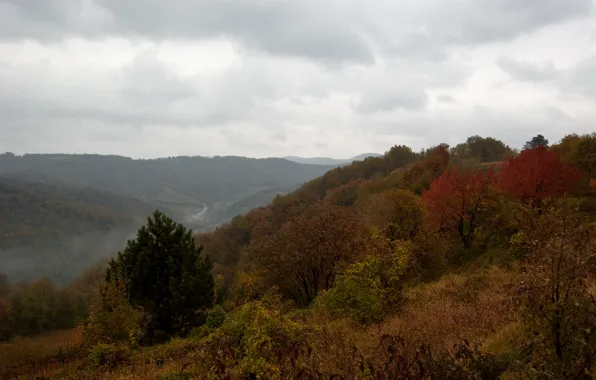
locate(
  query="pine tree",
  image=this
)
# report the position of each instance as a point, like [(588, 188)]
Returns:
[(536, 141), (166, 276)]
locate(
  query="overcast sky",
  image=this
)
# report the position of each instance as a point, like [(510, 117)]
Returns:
[(147, 78)]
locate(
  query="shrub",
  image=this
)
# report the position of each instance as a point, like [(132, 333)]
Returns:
[(215, 317), (258, 340), (367, 290), (107, 356), (112, 320)]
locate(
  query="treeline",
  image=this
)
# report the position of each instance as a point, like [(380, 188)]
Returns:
[(365, 188), (29, 308)]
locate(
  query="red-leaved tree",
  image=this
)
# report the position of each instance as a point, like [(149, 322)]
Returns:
[(456, 200), (537, 174)]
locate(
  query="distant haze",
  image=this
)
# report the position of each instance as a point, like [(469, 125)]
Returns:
[(330, 161)]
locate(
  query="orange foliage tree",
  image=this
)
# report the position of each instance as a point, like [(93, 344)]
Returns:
[(302, 258), (456, 200), (398, 213), (537, 174)]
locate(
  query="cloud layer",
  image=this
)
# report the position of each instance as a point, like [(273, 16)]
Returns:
[(270, 77)]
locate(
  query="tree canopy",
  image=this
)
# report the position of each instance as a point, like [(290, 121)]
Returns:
[(165, 275), (536, 142)]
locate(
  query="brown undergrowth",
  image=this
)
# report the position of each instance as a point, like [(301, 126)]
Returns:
[(473, 305)]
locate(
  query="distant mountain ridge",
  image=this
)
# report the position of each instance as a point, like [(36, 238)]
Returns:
[(329, 161), (60, 212), (178, 183)]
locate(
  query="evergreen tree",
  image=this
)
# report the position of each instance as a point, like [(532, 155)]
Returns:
[(536, 141), (166, 276)]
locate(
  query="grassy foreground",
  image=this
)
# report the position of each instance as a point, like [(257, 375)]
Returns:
[(472, 303)]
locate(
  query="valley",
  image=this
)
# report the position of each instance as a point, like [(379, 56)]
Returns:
[(62, 213)]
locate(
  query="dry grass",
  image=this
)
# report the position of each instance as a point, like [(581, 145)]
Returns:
[(474, 304), (457, 307), (39, 356), (56, 354)]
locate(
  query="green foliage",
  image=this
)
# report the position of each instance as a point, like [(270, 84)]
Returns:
[(257, 339), (178, 183), (40, 307), (59, 230), (107, 356), (165, 275), (536, 141), (366, 291), (215, 317), (112, 320), (354, 296), (481, 149), (519, 245)]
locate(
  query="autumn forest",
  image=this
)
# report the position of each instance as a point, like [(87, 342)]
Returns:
[(476, 261)]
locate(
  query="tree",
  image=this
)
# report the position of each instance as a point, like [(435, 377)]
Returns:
[(537, 141), (166, 276), (418, 177), (398, 213), (399, 156), (456, 200), (558, 306), (537, 174), (585, 156), (481, 149), (38, 307), (303, 256)]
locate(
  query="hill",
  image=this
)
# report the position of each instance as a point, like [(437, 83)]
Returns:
[(56, 230), (329, 161), (197, 190), (425, 265)]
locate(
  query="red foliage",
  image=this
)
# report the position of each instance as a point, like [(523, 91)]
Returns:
[(537, 174), (456, 200)]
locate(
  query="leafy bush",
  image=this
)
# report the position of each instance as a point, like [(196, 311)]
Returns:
[(215, 317), (107, 356), (257, 339), (367, 290), (112, 320)]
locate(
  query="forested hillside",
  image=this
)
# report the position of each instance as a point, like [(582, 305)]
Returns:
[(201, 191), (62, 213), (471, 262), (57, 231)]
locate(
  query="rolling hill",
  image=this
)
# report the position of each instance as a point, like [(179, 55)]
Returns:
[(55, 230), (61, 213), (330, 161), (186, 186)]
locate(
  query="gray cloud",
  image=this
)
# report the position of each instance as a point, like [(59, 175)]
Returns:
[(332, 77), (390, 100), (444, 98), (525, 71), (581, 79), (328, 31)]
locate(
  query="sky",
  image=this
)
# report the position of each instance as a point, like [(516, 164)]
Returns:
[(261, 78)]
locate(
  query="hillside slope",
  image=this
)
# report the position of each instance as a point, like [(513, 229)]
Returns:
[(186, 185), (56, 230), (367, 271)]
